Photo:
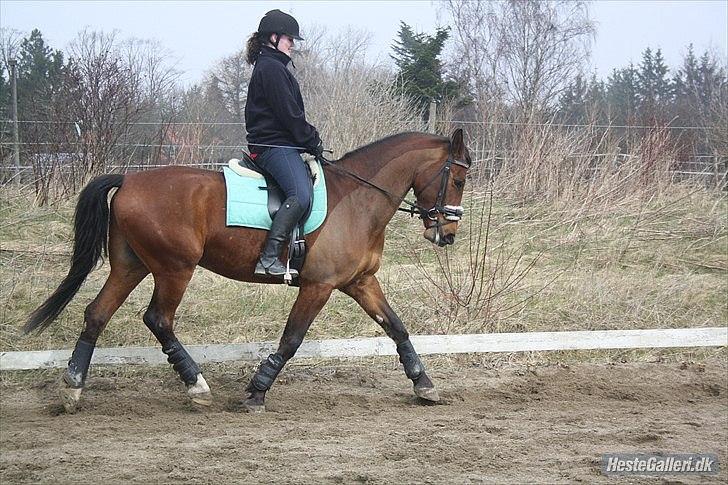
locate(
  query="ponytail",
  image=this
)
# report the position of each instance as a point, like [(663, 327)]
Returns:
[(254, 46)]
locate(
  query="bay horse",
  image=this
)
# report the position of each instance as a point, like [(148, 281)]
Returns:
[(167, 221)]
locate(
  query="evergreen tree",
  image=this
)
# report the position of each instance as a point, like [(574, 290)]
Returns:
[(622, 93), (697, 81), (6, 110), (699, 84), (711, 79), (654, 88), (572, 102), (40, 72), (687, 78), (232, 76), (595, 99), (41, 89), (687, 84), (583, 101), (216, 108), (5, 95), (420, 69)]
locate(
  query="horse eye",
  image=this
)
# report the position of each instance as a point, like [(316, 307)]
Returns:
[(459, 183)]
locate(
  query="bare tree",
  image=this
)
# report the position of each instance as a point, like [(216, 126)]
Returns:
[(105, 95), (717, 116), (344, 50), (233, 74), (10, 40), (153, 79), (312, 49), (150, 70), (543, 49), (196, 134), (113, 85), (475, 57), (527, 50)]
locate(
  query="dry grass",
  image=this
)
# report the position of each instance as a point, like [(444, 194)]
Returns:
[(642, 263)]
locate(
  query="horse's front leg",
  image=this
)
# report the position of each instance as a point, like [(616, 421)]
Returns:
[(311, 299), (368, 294)]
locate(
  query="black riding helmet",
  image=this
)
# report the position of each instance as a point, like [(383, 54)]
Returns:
[(277, 22)]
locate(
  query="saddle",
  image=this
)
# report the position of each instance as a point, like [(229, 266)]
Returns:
[(247, 167)]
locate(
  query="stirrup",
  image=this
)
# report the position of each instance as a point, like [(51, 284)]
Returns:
[(288, 276), (276, 269)]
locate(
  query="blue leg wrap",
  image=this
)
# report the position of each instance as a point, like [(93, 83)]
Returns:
[(77, 370), (266, 374), (413, 367), (182, 362)]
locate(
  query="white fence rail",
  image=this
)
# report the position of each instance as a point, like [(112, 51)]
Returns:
[(365, 347)]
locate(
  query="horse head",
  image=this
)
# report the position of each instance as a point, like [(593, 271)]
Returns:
[(438, 187)]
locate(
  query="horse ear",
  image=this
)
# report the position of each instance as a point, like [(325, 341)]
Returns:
[(457, 144)]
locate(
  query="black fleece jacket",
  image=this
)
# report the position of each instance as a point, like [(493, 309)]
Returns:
[(274, 112)]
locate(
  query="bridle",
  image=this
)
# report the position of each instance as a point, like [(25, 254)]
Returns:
[(450, 213)]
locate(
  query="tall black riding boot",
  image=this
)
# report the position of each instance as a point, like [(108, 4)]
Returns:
[(283, 223)]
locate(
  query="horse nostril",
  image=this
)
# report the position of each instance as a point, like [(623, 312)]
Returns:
[(449, 238)]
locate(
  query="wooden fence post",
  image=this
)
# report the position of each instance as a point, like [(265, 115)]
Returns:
[(432, 118)]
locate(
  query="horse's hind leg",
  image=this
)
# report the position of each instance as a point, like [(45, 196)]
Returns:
[(368, 294), (159, 318), (126, 273)]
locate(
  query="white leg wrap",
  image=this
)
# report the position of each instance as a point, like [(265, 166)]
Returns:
[(200, 387)]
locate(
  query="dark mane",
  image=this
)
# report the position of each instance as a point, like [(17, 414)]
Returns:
[(371, 150)]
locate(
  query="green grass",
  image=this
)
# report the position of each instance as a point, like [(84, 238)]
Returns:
[(638, 263)]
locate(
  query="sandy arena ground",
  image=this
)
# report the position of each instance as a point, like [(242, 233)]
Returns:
[(359, 422)]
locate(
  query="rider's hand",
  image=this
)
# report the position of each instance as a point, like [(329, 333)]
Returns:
[(318, 150)]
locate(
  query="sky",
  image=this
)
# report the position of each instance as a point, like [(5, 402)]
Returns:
[(201, 33)]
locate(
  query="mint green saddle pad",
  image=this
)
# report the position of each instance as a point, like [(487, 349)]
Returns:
[(247, 204)]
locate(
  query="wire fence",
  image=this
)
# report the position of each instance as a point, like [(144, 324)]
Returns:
[(42, 158), (694, 158), (713, 169), (439, 122)]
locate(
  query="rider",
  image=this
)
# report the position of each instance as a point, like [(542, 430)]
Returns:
[(274, 115)]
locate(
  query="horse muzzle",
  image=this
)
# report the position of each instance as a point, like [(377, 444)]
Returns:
[(441, 216), (433, 235)]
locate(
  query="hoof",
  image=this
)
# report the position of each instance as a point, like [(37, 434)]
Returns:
[(199, 392), (202, 399), (427, 393), (70, 397), (251, 406)]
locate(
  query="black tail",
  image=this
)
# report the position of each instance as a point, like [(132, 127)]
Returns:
[(91, 228)]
